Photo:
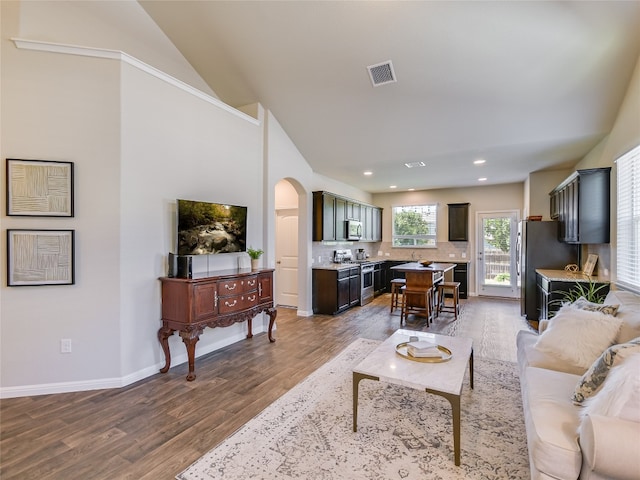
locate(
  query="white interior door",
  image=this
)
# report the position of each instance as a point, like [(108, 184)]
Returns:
[(287, 257), (496, 274)]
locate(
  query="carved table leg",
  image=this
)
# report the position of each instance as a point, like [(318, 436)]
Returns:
[(190, 338), (273, 313), (250, 327), (163, 336)]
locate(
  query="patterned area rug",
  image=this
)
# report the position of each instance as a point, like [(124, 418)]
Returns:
[(402, 433)]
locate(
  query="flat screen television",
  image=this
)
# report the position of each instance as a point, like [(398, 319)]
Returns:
[(206, 228)]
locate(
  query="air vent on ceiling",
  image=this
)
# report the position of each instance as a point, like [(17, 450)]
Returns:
[(415, 164), (382, 73)]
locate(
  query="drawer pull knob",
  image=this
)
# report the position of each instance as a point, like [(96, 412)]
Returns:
[(230, 304), (228, 287)]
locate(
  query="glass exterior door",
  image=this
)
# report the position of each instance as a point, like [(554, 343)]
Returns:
[(497, 237)]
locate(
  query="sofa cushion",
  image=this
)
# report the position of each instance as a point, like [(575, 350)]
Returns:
[(620, 393), (529, 356), (584, 304), (552, 422), (593, 378), (578, 336), (629, 313)]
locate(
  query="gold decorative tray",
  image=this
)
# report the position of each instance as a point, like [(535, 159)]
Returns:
[(401, 349)]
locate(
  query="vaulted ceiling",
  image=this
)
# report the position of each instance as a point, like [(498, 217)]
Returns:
[(526, 86)]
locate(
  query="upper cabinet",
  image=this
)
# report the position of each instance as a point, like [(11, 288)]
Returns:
[(581, 204), (458, 222), (330, 213)]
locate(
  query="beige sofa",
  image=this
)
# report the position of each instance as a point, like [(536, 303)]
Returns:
[(565, 441)]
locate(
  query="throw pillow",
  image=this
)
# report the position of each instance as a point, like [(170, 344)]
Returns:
[(593, 378), (584, 304), (620, 394), (578, 336)]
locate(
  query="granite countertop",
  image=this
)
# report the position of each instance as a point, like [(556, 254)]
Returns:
[(564, 276), (340, 266)]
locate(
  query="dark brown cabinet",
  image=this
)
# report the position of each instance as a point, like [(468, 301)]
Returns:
[(335, 290), (461, 274), (458, 222), (581, 204), (220, 300), (330, 213), (551, 293)]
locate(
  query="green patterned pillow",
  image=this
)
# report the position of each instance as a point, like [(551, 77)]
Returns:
[(593, 378), (584, 304)]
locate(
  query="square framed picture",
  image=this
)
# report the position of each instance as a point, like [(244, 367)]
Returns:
[(39, 188), (40, 257), (590, 264)]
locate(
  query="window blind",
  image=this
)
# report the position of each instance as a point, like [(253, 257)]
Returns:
[(628, 237)]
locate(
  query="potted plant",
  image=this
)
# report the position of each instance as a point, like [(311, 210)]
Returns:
[(255, 257)]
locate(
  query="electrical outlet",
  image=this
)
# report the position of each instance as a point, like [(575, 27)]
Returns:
[(464, 254), (65, 345)]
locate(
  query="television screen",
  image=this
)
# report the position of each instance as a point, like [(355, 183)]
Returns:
[(208, 228)]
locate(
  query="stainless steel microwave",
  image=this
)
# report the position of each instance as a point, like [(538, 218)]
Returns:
[(354, 230)]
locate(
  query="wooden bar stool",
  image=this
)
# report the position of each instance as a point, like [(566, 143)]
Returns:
[(417, 302), (397, 293), (454, 289)]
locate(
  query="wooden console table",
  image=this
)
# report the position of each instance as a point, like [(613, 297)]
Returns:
[(220, 300)]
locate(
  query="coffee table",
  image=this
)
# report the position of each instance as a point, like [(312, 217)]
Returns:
[(444, 379)]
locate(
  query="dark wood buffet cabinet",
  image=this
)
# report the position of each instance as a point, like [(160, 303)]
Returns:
[(213, 300)]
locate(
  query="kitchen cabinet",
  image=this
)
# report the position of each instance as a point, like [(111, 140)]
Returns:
[(461, 274), (581, 204), (335, 290), (458, 222), (551, 290), (330, 213), (391, 274), (324, 216)]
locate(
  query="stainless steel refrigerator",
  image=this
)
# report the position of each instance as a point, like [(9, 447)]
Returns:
[(538, 247)]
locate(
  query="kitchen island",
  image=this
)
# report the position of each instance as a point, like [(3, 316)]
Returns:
[(421, 282)]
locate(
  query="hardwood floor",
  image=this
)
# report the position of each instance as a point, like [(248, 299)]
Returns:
[(155, 428)]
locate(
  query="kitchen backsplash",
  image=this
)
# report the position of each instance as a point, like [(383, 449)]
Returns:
[(323, 251)]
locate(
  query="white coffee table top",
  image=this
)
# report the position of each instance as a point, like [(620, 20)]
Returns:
[(390, 367)]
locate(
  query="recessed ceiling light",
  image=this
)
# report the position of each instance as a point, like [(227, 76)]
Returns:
[(482, 179), (411, 189), (480, 161), (368, 173), (393, 186), (415, 164)]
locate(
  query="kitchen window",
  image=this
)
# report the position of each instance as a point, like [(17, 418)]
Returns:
[(628, 241), (414, 226)]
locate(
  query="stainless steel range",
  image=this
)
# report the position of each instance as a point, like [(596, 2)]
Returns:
[(366, 273)]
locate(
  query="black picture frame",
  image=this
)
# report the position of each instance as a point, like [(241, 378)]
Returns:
[(40, 257), (39, 188)]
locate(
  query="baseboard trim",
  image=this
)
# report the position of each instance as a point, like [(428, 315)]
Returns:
[(119, 382)]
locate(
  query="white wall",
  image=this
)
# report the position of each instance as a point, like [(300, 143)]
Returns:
[(624, 136), (137, 143)]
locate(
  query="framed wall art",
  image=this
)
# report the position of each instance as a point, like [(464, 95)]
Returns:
[(39, 188), (40, 257), (590, 264)]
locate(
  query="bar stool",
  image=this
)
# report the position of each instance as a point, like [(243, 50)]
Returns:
[(397, 293), (409, 308), (454, 289)]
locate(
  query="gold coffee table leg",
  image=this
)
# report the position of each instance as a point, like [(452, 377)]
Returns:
[(356, 381), (454, 400)]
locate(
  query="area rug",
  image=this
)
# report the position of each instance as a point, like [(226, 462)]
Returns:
[(402, 433)]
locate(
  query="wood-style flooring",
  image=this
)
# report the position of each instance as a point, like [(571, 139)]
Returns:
[(155, 428)]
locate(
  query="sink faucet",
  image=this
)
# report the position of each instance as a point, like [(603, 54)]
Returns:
[(413, 255)]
